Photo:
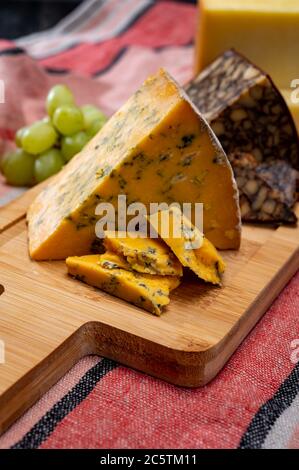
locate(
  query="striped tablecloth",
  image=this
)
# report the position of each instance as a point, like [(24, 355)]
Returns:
[(254, 401)]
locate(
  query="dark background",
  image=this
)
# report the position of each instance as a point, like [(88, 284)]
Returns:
[(22, 17)]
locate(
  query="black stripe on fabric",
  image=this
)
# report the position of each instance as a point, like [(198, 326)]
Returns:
[(12, 51), (267, 415), (88, 13), (115, 59), (52, 70), (169, 46), (193, 2), (136, 17), (122, 52), (46, 425)]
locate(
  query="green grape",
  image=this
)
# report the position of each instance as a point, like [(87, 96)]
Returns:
[(19, 168), (47, 120), (91, 114), (4, 159), (68, 120), (58, 96), (95, 128), (38, 138), (47, 164), (19, 135), (73, 144)]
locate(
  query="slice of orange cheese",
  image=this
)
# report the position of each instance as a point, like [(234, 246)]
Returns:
[(190, 246), (145, 255), (111, 273), (157, 148)]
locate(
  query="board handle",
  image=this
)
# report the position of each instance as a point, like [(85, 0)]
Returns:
[(39, 379)]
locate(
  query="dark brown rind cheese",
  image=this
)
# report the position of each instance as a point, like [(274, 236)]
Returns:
[(267, 191), (245, 109)]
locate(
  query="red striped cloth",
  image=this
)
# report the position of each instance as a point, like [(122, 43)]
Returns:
[(117, 43), (254, 401)]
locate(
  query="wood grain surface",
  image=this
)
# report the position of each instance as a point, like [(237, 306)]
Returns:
[(48, 321)]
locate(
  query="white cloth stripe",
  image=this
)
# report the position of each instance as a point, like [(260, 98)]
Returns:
[(122, 16), (80, 14), (284, 427), (89, 8)]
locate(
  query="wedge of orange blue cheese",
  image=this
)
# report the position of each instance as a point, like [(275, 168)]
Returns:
[(156, 148), (189, 244), (112, 274), (144, 254)]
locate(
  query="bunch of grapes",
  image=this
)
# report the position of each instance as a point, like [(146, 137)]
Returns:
[(45, 146)]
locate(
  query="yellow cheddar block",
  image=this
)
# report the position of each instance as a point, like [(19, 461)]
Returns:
[(293, 104), (265, 31), (157, 148), (193, 250), (145, 255), (107, 272)]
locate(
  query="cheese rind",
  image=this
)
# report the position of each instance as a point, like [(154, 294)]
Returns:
[(204, 261), (107, 273), (245, 109), (266, 31), (157, 148), (145, 255)]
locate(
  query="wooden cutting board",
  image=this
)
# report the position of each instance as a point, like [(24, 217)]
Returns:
[(49, 321)]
